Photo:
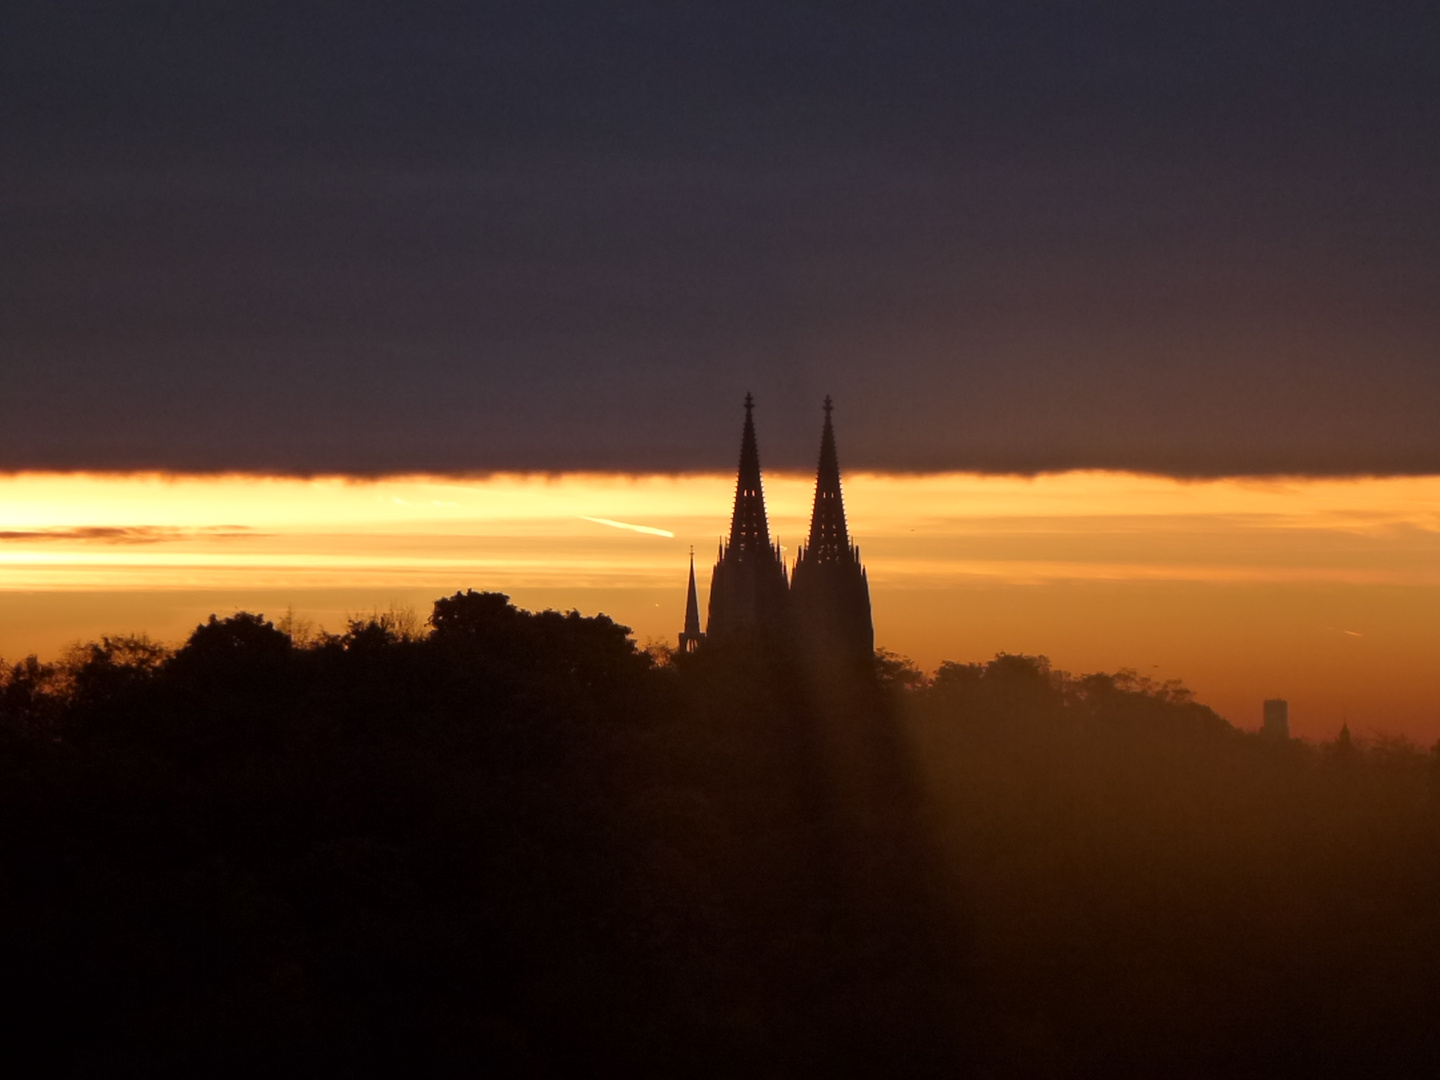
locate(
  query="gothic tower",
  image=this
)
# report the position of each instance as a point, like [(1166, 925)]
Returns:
[(748, 589), (691, 637), (830, 593)]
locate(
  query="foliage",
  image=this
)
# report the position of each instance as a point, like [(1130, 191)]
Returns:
[(519, 844), (896, 671)]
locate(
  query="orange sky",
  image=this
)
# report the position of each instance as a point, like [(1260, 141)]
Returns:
[(1322, 591)]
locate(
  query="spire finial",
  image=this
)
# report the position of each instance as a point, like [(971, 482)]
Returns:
[(828, 407), (749, 402)]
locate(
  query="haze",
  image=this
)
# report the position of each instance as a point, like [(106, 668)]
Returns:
[(1322, 591)]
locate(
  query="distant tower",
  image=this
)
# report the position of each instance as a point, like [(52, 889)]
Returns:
[(748, 589), (1277, 719), (691, 637), (829, 591)]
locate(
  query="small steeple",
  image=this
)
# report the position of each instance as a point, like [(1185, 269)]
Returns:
[(691, 637)]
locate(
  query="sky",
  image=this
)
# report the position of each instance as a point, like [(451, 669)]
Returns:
[(1323, 592), (1191, 238), (1128, 310)]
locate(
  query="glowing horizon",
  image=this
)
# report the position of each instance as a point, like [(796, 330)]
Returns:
[(1093, 560)]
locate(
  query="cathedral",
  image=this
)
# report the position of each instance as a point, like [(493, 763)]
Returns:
[(819, 610)]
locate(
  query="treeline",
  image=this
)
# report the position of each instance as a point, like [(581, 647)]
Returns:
[(512, 842)]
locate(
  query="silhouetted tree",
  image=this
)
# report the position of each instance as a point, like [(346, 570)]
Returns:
[(114, 666), (33, 696), (517, 845), (242, 642), (897, 672)]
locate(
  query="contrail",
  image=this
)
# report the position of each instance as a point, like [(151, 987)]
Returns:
[(634, 528)]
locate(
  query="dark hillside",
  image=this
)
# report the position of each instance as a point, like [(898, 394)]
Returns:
[(513, 844)]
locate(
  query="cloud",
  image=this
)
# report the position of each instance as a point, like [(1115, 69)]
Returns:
[(121, 534), (1098, 243)]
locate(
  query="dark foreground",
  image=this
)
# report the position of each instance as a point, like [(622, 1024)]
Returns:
[(515, 846)]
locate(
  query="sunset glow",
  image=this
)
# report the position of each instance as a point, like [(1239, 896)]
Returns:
[(1319, 590)]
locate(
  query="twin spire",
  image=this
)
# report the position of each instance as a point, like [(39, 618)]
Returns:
[(749, 530), (829, 538), (823, 608)]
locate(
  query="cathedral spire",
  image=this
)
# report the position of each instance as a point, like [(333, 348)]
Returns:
[(749, 530), (829, 591), (829, 540), (748, 590)]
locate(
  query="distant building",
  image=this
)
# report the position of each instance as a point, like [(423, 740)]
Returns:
[(821, 612), (829, 589), (749, 586), (1277, 719)]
